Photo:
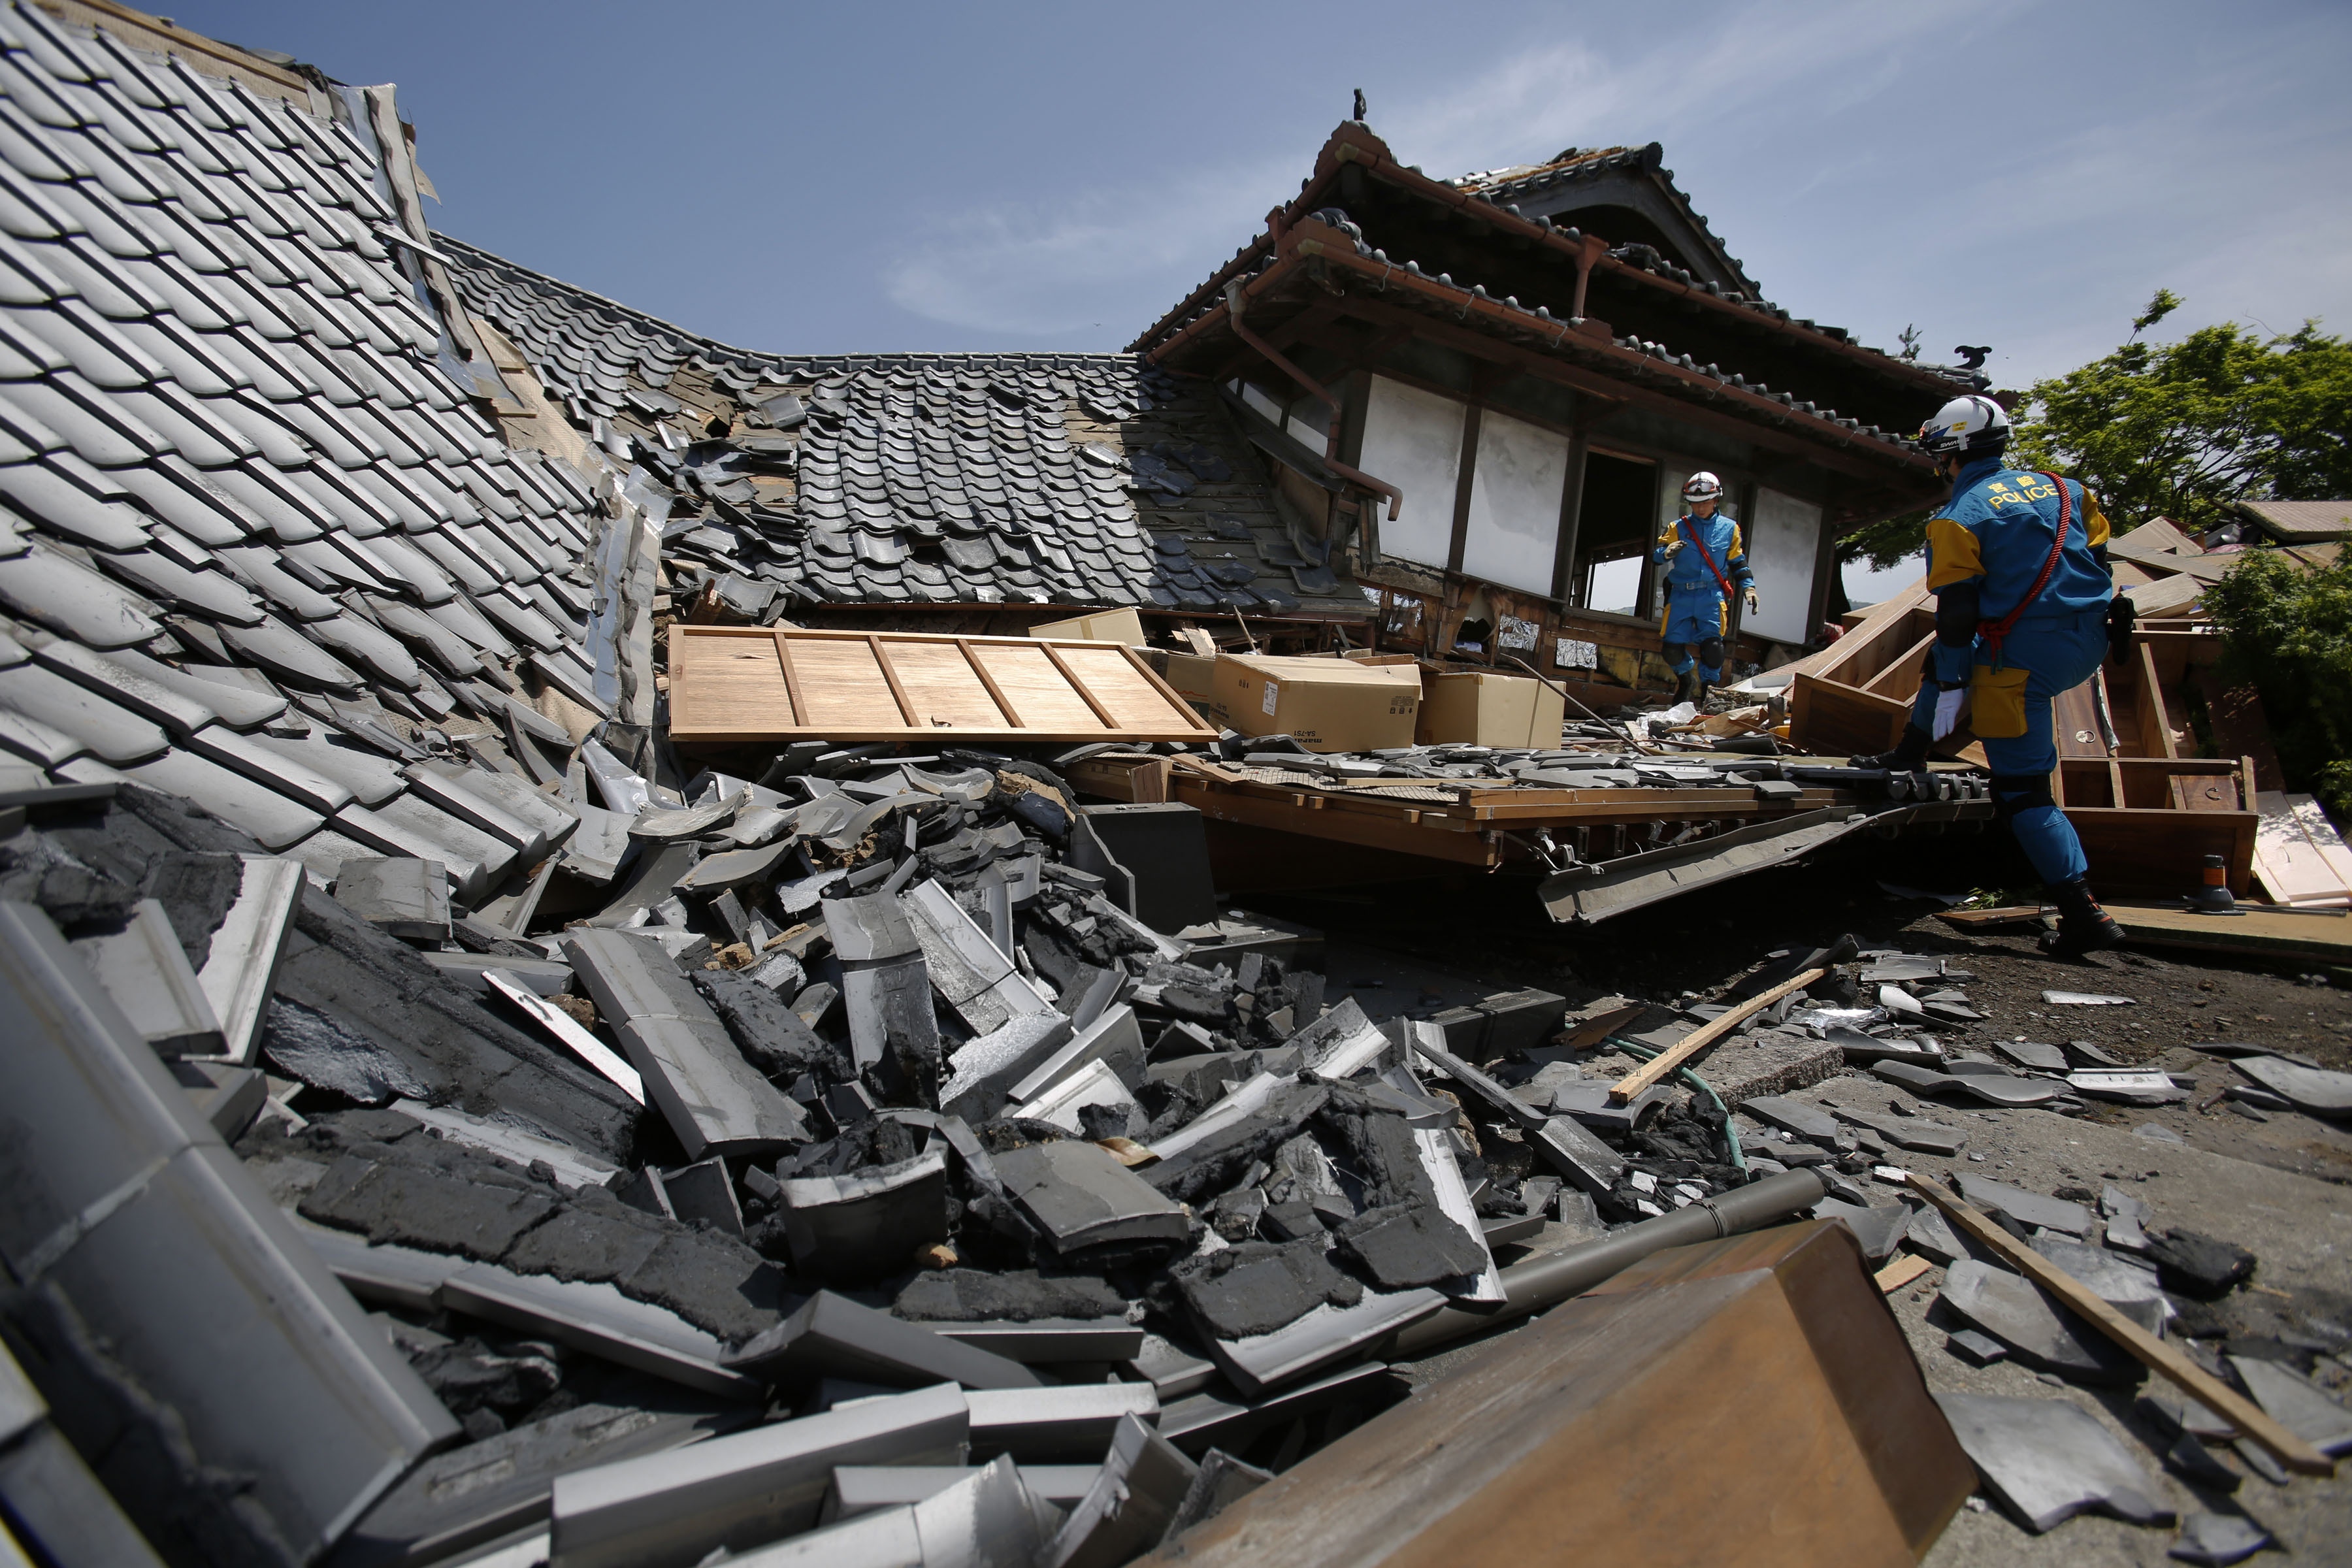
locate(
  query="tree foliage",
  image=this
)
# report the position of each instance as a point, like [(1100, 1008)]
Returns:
[(2288, 632), (2181, 429), (2178, 430)]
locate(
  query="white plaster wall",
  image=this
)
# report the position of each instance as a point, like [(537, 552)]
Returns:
[(1414, 441), (1781, 542), (1515, 496)]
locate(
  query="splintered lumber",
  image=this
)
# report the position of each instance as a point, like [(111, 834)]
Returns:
[(748, 684), (2241, 1412), (1622, 1091)]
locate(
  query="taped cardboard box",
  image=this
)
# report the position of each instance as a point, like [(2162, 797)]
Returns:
[(1330, 704), (1477, 708)]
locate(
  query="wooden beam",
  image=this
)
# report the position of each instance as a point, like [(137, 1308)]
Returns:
[(792, 679), (1012, 719), (1698, 1040), (1466, 477), (890, 675), (2152, 1352), (1078, 686)]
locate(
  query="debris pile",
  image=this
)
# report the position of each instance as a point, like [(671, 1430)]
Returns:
[(855, 1083)]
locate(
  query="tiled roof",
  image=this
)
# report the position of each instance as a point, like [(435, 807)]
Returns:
[(1066, 478), (261, 547), (1485, 197), (261, 551), (1519, 182), (1328, 236)]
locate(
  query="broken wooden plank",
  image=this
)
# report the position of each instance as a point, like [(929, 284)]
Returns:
[(1698, 1040), (2150, 1352)]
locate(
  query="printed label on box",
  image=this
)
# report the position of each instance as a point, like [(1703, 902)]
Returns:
[(1273, 694)]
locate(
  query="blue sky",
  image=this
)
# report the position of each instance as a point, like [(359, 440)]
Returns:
[(865, 177)]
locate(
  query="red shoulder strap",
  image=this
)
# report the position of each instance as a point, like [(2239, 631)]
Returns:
[(1993, 632), (1716, 571)]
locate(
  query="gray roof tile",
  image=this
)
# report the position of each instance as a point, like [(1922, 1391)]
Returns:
[(273, 818)]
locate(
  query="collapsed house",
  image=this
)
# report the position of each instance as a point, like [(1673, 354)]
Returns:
[(463, 1107)]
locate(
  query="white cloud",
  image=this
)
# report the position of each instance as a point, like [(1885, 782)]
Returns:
[(1113, 261), (1877, 163)]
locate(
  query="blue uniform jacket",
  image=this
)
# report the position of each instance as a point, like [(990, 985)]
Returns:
[(1721, 536), (1996, 532)]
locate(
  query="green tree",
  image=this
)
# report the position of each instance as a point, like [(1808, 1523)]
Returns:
[(2288, 632), (2178, 430), (2181, 429)]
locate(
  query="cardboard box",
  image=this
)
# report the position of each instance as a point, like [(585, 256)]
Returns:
[(1195, 677), (1329, 704), (1099, 626), (1474, 708)]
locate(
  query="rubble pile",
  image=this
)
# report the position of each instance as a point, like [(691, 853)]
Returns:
[(852, 1084)]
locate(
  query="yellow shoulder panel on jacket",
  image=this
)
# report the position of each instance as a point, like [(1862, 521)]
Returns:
[(1953, 554), (2095, 521)]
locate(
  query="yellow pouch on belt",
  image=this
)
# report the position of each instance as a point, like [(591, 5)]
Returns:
[(1997, 702)]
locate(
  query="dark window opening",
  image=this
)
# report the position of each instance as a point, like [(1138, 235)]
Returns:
[(1612, 533)]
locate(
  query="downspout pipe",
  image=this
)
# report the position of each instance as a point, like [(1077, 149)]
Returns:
[(1540, 1283), (1234, 296)]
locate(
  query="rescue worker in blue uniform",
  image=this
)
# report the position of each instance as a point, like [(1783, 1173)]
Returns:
[(1706, 561), (2021, 616)]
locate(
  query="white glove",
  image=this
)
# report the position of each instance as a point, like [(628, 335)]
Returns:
[(1751, 601), (1675, 546), (1948, 709)]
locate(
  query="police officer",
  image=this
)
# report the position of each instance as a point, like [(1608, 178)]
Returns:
[(1706, 563), (2019, 565)]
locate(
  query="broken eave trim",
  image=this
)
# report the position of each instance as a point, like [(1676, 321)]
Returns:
[(1353, 143), (1628, 369), (140, 31)]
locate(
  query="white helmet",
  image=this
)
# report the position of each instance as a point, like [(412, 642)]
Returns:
[(1970, 427), (1702, 486)]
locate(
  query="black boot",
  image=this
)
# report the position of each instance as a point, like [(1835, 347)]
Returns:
[(1687, 687), (2083, 927), (1909, 755)]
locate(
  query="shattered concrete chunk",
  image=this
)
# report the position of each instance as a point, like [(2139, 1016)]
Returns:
[(1259, 1287), (410, 1205), (1403, 1245), (773, 1038), (969, 1295), (320, 1050)]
